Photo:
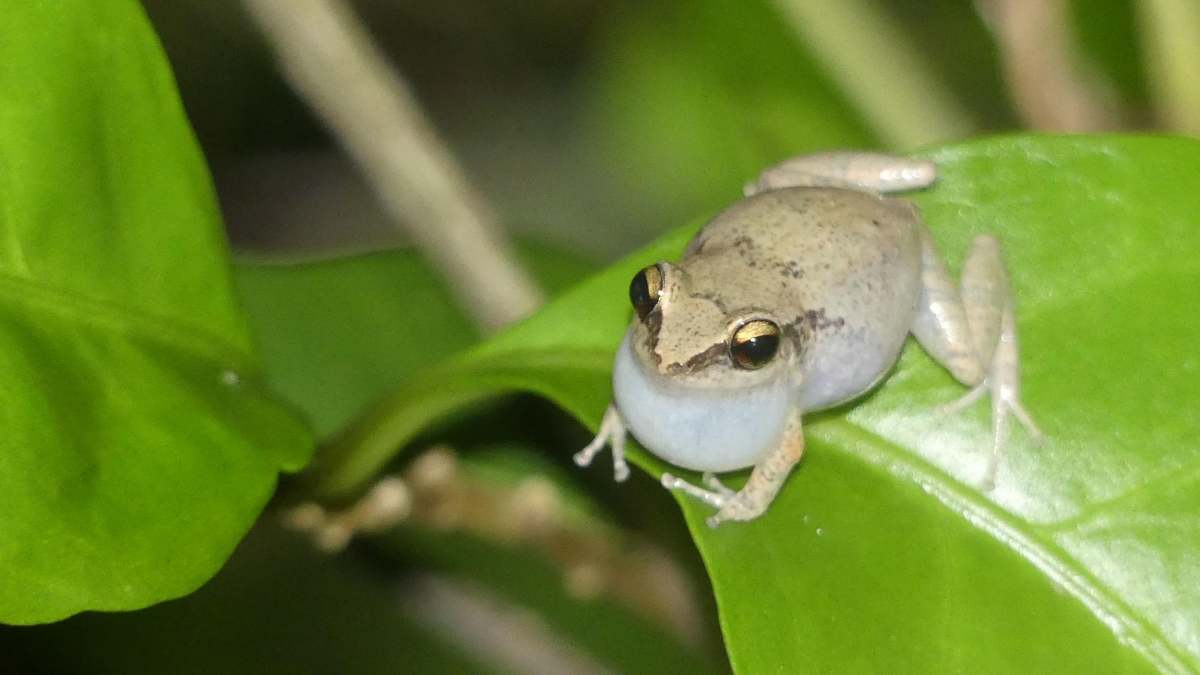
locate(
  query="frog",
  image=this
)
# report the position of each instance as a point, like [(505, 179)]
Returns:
[(795, 299)]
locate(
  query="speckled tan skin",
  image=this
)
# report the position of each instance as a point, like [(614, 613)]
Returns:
[(839, 271), (846, 274)]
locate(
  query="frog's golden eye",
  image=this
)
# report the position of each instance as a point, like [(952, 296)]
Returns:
[(645, 290), (754, 343)]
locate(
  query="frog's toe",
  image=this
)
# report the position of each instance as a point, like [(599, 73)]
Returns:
[(584, 457), (620, 471), (968, 399), (713, 499), (713, 483), (1026, 420), (737, 508)]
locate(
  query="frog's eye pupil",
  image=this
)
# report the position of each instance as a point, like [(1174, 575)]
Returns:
[(645, 290), (754, 343)]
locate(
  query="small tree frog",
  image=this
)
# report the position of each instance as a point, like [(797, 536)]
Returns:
[(798, 298)]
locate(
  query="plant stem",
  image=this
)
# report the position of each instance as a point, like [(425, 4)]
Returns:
[(1171, 41), (876, 66), (329, 59), (1053, 87)]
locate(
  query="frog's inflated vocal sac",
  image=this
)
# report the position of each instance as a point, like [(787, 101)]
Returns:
[(798, 298)]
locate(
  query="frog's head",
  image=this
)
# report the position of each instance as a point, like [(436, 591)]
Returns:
[(691, 337)]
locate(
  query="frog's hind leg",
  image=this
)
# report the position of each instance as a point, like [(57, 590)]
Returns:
[(971, 330), (850, 170)]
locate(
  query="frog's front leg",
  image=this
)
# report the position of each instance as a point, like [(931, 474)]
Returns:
[(850, 170), (612, 432), (760, 490), (972, 331)]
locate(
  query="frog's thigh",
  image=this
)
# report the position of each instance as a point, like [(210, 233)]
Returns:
[(960, 327)]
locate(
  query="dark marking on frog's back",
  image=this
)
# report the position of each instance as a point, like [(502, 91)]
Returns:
[(803, 329), (713, 298), (816, 320), (790, 269), (696, 245)]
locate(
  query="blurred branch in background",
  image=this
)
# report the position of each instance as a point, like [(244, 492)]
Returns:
[(442, 494), (875, 65), (1053, 87), (501, 636), (1171, 41), (329, 59)]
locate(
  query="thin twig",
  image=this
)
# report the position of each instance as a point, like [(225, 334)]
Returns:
[(1171, 40), (1054, 87), (503, 637), (440, 493), (878, 69), (329, 59)]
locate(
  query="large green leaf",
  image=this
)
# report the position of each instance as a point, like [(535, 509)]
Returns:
[(336, 334), (138, 444), (881, 554)]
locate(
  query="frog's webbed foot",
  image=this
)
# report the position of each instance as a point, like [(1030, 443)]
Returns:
[(612, 431), (760, 490), (972, 331)]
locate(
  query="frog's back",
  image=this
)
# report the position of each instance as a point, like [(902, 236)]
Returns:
[(840, 269)]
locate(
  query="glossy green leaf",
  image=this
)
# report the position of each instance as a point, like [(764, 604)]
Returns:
[(337, 334), (881, 554), (138, 444)]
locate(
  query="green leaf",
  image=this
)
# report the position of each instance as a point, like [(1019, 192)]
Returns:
[(278, 606), (881, 555), (139, 444), (337, 334)]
